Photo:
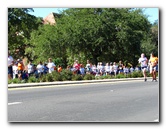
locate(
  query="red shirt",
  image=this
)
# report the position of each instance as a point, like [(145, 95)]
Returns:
[(77, 66)]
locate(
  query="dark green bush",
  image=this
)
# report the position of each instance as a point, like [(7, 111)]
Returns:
[(66, 75), (77, 77), (32, 79), (148, 74), (107, 77), (136, 74), (49, 77), (56, 76), (16, 80), (10, 81), (120, 76), (43, 78), (89, 77)]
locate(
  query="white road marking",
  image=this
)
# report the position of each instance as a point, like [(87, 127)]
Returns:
[(14, 103)]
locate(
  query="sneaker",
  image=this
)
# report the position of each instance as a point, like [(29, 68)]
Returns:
[(145, 80), (152, 80), (155, 80)]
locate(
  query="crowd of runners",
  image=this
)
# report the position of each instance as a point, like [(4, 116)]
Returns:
[(17, 69)]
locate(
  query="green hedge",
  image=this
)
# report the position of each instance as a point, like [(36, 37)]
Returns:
[(68, 75)]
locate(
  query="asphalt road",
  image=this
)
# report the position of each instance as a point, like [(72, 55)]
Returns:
[(131, 101)]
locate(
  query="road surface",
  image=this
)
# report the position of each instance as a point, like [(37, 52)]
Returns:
[(128, 101)]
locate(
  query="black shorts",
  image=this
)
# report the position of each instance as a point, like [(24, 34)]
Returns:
[(112, 73), (20, 71), (143, 67), (10, 70)]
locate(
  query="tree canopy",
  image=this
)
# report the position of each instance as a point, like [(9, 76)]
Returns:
[(97, 34), (20, 26)]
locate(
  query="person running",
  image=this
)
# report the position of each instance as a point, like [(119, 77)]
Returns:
[(153, 66), (143, 61)]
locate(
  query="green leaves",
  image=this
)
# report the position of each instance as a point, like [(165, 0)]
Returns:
[(98, 34), (20, 25)]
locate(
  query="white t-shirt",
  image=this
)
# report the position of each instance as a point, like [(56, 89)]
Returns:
[(30, 68), (102, 68), (40, 68), (51, 67), (15, 70), (143, 61), (111, 68), (88, 67), (131, 69), (10, 60), (107, 68), (115, 68), (94, 69), (126, 70)]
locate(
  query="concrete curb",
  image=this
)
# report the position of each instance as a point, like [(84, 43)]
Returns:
[(69, 82)]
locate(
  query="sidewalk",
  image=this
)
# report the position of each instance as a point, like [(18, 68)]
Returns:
[(70, 82)]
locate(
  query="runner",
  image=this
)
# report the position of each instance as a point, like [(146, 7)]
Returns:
[(153, 66), (143, 61)]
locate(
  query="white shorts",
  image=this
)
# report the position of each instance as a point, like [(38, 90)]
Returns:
[(153, 68)]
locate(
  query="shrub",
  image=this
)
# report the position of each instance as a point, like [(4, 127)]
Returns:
[(32, 79), (49, 78), (136, 74), (42, 78), (56, 76), (24, 81), (148, 74), (10, 81), (66, 75), (89, 77), (120, 76), (100, 77), (107, 77), (16, 80), (77, 77)]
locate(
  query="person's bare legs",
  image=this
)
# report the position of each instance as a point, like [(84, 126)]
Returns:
[(144, 74), (9, 76)]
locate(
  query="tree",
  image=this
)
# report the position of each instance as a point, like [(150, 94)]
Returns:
[(106, 34), (97, 34), (150, 42), (20, 24)]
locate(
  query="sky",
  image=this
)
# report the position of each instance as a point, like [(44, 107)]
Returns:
[(152, 13)]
